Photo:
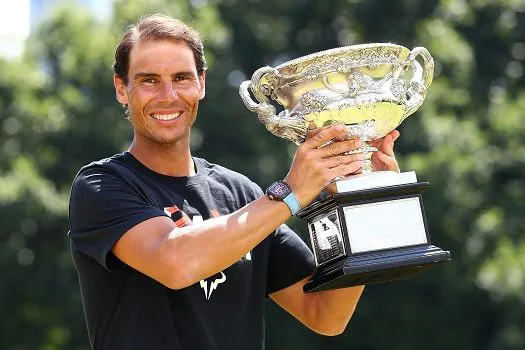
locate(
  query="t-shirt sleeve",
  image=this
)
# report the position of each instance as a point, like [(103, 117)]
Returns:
[(290, 260), (103, 206)]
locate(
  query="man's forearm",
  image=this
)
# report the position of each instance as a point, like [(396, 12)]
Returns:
[(326, 312), (334, 308)]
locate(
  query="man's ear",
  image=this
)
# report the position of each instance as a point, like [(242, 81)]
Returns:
[(202, 81), (120, 90)]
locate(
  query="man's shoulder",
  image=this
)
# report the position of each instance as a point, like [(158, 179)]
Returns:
[(114, 160), (114, 163), (110, 169), (220, 171), (226, 175)]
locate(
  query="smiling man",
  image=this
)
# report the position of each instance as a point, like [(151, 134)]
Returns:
[(174, 252)]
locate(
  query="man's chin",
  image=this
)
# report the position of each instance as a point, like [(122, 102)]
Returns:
[(149, 137), (167, 140)]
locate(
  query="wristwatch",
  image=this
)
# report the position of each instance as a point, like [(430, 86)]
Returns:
[(281, 191)]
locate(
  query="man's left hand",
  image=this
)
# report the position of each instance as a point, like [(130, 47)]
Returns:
[(384, 159)]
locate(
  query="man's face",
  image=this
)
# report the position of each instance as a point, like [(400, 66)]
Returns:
[(163, 91)]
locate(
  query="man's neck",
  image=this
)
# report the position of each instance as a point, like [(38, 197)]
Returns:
[(171, 160)]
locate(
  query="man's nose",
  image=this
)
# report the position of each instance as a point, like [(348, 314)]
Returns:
[(167, 92)]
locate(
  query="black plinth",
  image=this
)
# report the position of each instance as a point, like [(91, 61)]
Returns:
[(340, 266)]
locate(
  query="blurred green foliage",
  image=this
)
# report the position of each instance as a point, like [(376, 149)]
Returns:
[(58, 112)]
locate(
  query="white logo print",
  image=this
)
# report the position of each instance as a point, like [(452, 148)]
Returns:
[(213, 285)]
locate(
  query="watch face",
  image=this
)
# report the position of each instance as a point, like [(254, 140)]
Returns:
[(280, 190)]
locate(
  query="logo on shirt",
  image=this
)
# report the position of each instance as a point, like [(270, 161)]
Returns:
[(213, 285), (178, 216), (180, 219)]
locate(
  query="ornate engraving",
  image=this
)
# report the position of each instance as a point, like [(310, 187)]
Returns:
[(317, 65), (398, 89), (364, 129), (312, 102), (312, 72)]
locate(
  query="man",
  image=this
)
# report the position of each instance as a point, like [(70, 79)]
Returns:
[(174, 252)]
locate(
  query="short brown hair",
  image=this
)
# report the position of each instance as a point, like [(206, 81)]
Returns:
[(157, 27)]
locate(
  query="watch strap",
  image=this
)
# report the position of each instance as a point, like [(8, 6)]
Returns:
[(292, 203)]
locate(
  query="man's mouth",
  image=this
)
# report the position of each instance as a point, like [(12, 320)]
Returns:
[(166, 116)]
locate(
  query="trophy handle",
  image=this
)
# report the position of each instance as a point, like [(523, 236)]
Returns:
[(281, 125), (264, 109), (420, 81)]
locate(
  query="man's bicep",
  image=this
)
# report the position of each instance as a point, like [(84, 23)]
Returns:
[(145, 248)]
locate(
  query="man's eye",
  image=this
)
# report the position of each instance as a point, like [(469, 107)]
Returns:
[(149, 81), (181, 78)]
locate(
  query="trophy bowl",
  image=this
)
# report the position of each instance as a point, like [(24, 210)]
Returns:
[(371, 88)]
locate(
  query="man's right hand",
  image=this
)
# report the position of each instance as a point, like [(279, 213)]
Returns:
[(320, 159)]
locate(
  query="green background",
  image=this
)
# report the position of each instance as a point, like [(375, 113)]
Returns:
[(58, 112)]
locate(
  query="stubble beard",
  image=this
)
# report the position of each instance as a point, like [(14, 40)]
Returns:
[(142, 132)]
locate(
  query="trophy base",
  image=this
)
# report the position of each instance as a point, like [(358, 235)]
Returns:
[(372, 235), (377, 267)]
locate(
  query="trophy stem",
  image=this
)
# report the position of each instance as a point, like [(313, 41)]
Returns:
[(367, 163)]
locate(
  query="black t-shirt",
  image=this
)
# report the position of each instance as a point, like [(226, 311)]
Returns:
[(126, 309)]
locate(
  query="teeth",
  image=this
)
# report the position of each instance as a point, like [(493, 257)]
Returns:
[(166, 116)]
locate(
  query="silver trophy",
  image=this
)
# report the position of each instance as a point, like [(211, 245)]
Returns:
[(373, 229)]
